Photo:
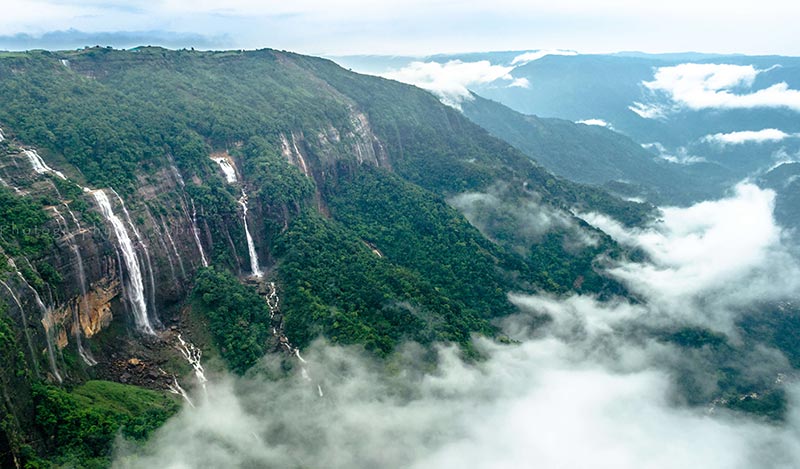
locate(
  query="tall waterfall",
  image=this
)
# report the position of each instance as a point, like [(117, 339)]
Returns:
[(25, 327), (135, 285), (146, 255), (62, 222), (251, 247), (174, 247), (196, 233), (48, 328)]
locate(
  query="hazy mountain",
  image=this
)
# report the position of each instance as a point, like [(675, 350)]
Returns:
[(586, 153), (261, 259), (130, 172), (719, 118)]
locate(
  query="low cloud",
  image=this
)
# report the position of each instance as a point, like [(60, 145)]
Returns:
[(713, 86), (520, 83), (573, 393), (531, 402), (709, 261), (747, 136), (450, 81), (649, 111), (680, 155), (528, 57), (522, 219), (597, 122)]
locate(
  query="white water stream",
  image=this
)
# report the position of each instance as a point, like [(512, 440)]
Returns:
[(251, 247), (135, 285)]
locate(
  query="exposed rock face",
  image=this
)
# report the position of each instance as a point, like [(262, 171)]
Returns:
[(165, 220), (97, 313)]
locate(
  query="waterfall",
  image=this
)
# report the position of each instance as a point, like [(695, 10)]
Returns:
[(2, 137), (273, 303), (193, 355), (48, 329), (39, 165), (251, 247), (160, 237), (300, 158), (74, 218), (14, 188), (84, 354), (227, 169), (146, 255), (87, 358), (24, 326), (174, 247), (196, 233), (175, 388), (62, 223), (176, 172), (135, 287)]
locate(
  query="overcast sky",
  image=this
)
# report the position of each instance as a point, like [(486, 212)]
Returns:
[(410, 26)]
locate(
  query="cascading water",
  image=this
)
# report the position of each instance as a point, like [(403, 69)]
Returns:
[(160, 237), (196, 233), (273, 303), (85, 356), (24, 326), (74, 218), (175, 388), (146, 254), (2, 137), (193, 355), (227, 169), (174, 247), (48, 328), (39, 166), (135, 287), (251, 247), (62, 222)]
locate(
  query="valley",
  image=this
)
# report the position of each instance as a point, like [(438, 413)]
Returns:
[(209, 257)]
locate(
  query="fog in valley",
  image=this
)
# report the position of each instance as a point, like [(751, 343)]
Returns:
[(592, 386)]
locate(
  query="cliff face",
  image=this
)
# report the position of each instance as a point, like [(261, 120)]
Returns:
[(127, 172), (58, 324), (171, 235)]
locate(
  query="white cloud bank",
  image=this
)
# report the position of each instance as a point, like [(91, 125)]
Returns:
[(573, 394), (531, 404), (681, 155), (709, 261), (747, 136), (597, 122), (714, 86), (532, 56), (450, 81)]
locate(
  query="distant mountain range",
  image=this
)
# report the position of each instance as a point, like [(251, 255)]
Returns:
[(713, 119)]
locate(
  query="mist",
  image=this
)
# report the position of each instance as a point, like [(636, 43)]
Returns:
[(590, 386)]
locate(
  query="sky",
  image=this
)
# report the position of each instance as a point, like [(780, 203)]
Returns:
[(413, 27)]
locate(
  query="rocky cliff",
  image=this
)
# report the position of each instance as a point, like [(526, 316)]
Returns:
[(124, 173)]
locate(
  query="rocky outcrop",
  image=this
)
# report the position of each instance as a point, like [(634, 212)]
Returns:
[(93, 310)]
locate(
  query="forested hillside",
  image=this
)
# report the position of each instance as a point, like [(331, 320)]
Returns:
[(248, 202)]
